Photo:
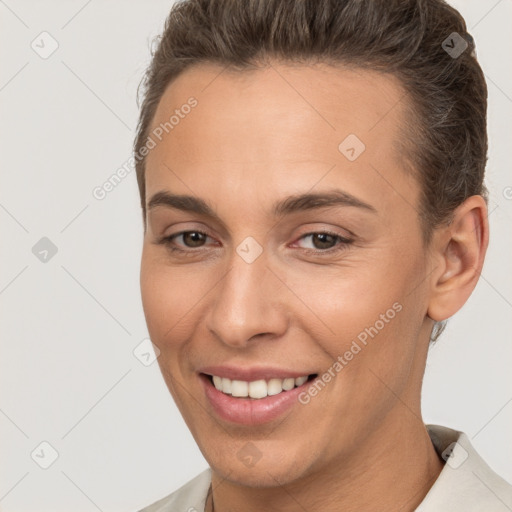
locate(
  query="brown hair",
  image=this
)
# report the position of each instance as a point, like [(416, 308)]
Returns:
[(401, 37), (413, 40)]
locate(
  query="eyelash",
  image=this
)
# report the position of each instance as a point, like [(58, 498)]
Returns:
[(344, 243)]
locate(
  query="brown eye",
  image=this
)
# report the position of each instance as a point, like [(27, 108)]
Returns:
[(193, 238), (324, 241), (189, 240)]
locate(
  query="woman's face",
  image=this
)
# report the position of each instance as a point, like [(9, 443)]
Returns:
[(264, 286)]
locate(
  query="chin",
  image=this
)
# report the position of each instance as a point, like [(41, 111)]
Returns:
[(266, 469), (264, 476)]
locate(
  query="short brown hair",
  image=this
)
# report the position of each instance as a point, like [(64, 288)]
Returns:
[(409, 39)]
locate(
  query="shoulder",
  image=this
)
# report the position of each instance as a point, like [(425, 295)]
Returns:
[(466, 483), (190, 497)]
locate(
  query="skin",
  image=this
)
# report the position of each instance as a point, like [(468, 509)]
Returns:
[(257, 137)]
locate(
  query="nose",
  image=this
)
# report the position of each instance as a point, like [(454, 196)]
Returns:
[(247, 304)]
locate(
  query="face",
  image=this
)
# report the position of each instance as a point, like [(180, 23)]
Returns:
[(297, 254)]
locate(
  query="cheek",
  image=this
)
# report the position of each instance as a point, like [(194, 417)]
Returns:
[(380, 317), (165, 299), (343, 302), (366, 314)]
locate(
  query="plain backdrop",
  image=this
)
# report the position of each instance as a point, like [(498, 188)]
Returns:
[(69, 377)]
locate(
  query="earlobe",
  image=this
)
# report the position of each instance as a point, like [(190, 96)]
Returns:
[(460, 251)]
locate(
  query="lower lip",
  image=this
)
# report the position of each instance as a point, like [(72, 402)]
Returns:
[(249, 411)]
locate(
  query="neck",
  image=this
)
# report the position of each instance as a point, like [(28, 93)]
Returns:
[(394, 471)]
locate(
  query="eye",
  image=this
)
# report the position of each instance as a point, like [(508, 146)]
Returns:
[(320, 241), (190, 240), (325, 241)]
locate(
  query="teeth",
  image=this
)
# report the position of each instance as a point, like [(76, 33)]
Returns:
[(274, 387), (217, 382), (288, 384), (239, 388), (300, 380), (257, 388), (226, 386)]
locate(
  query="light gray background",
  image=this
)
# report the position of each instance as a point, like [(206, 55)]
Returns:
[(68, 374)]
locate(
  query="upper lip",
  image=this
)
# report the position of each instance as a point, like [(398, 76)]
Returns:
[(253, 373)]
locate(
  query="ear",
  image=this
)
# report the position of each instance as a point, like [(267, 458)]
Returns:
[(458, 252)]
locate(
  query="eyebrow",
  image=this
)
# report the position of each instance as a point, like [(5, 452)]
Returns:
[(292, 204)]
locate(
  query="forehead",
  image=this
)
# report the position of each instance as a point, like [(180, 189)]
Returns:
[(276, 125), (335, 99)]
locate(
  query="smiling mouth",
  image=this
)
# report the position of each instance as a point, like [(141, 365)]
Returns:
[(257, 389)]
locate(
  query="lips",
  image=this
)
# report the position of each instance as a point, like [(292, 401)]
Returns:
[(252, 396)]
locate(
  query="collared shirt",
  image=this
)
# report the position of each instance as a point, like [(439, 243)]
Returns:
[(465, 484)]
